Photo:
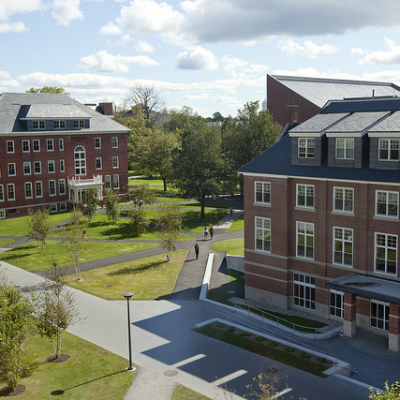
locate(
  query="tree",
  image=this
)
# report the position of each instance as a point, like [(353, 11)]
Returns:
[(139, 221), (112, 206), (198, 168), (169, 226), (218, 116), (89, 203), (150, 100), (392, 392), (56, 309), (48, 89), (39, 226), (179, 120), (16, 324), (154, 154)]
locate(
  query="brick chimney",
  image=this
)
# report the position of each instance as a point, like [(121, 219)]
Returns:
[(107, 108)]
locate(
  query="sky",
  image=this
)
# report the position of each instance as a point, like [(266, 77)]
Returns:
[(211, 55)]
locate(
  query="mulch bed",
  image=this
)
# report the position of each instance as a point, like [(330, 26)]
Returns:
[(7, 392)]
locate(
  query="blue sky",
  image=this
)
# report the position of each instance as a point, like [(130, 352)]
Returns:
[(212, 55)]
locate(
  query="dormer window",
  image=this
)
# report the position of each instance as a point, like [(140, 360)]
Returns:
[(389, 149), (79, 123), (38, 124), (59, 124), (345, 148), (306, 147)]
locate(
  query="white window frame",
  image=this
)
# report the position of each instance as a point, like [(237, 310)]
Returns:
[(2, 214), (262, 192), (10, 147), (26, 142), (28, 185), (39, 124), (391, 200), (114, 142), (52, 184), (262, 236), (51, 164), (336, 298), (62, 188), (98, 163), (39, 163), (12, 169), (80, 160), (306, 147), (304, 296), (389, 142), (10, 186), (379, 318), (306, 191), (342, 237), (115, 181), (63, 206), (38, 184), (50, 144), (79, 123), (107, 182), (27, 168), (2, 196), (36, 145), (97, 142), (348, 148), (343, 194), (62, 166), (388, 248), (303, 229), (115, 162), (61, 144), (53, 208), (59, 124)]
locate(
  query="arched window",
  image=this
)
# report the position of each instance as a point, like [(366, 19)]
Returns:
[(80, 160)]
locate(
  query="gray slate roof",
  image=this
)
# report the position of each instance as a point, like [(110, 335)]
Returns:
[(15, 107)]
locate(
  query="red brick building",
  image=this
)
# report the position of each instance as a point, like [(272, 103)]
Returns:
[(52, 148), (322, 218)]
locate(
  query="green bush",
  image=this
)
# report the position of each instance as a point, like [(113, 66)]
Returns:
[(289, 349), (260, 338), (304, 354), (231, 329), (322, 359)]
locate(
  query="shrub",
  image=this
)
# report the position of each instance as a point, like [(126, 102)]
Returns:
[(260, 338), (273, 343), (322, 359), (231, 329), (304, 354), (289, 349), (220, 325)]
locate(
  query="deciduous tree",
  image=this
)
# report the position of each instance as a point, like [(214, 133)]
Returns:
[(39, 226), (112, 206), (391, 392), (89, 203)]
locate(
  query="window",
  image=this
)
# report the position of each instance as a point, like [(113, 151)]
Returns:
[(63, 206), (10, 146), (80, 161), (25, 146), (379, 317), (263, 234), (50, 145), (51, 166), (61, 144), (386, 253), (79, 124), (116, 181), (53, 208), (98, 162), (115, 162), (36, 145), (61, 186), (389, 149), (10, 191), (52, 188), (343, 246), (27, 168), (306, 147), (305, 196), (38, 167), (38, 189), (97, 143), (11, 169), (59, 125), (305, 240), (345, 148), (387, 203), (336, 303), (114, 142), (28, 190), (2, 213), (38, 124), (1, 193), (263, 192), (107, 181), (304, 291), (62, 166), (343, 199)]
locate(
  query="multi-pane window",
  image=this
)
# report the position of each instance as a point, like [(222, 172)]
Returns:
[(80, 123), (10, 146), (389, 149), (27, 168), (52, 188), (38, 124), (10, 191), (386, 253), (53, 208), (28, 190), (305, 196), (107, 181), (61, 144), (98, 162), (50, 145), (2, 213), (61, 186), (343, 246), (97, 143), (263, 192), (80, 161), (345, 148), (38, 167), (62, 166), (114, 142), (36, 145), (38, 189), (263, 234), (387, 203), (25, 146), (306, 147), (11, 169), (379, 316), (343, 199), (115, 162), (336, 303), (304, 291), (1, 193), (51, 166), (59, 124), (116, 181), (63, 206), (305, 240)]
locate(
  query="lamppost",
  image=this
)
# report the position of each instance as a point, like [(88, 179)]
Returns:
[(128, 295)]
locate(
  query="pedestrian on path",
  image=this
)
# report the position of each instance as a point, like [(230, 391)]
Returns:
[(211, 232), (196, 249), (205, 232)]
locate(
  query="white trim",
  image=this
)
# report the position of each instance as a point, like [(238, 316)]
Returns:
[(386, 216), (343, 243), (305, 242)]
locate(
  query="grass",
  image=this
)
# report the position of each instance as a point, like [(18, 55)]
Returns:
[(183, 393), (193, 222), (238, 225), (29, 258), (233, 247), (90, 372), (149, 278), (236, 276), (4, 242)]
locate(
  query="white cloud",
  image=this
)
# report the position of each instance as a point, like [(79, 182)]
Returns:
[(13, 27), (389, 56), (359, 51), (110, 29), (307, 49), (144, 47), (104, 62), (197, 58), (194, 97), (10, 7), (65, 11), (238, 68)]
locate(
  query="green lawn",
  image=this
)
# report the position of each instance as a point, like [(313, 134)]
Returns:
[(233, 247), (91, 372), (149, 278), (183, 393), (3, 242), (238, 225), (29, 258)]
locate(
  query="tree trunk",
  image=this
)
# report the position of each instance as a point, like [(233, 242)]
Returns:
[(203, 206), (165, 184)]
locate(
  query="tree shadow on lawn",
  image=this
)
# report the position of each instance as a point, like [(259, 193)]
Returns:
[(16, 252), (138, 269)]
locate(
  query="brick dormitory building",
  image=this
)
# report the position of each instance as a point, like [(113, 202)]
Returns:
[(322, 217), (53, 148)]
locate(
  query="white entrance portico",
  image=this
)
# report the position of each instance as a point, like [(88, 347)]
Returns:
[(77, 186)]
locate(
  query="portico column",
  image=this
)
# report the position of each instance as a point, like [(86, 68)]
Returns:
[(394, 327), (349, 314)]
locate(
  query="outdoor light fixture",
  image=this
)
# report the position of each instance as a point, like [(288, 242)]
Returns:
[(128, 295)]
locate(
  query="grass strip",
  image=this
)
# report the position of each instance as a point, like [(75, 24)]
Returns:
[(233, 247), (183, 393)]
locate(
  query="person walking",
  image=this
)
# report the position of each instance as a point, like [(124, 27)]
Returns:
[(211, 232), (196, 249), (205, 232)]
